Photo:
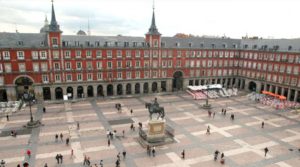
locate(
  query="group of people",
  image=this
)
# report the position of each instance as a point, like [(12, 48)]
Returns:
[(216, 154), (62, 138), (118, 107), (151, 150), (59, 158)]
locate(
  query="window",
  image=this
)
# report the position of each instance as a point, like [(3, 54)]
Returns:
[(69, 77), (155, 53), (57, 78), (45, 78), (128, 64), (128, 53), (89, 65), (43, 55), (164, 74), (146, 74), (98, 53), (164, 63), (78, 65), (35, 55), (164, 53), (170, 53), (68, 65), (155, 43), (289, 69), (109, 54), (56, 66), (109, 65), (119, 54), (137, 53), (6, 55), (146, 53), (20, 55), (54, 42), (178, 53), (44, 67), (154, 74), (178, 63), (89, 77), (7, 67), (55, 54), (119, 64), (146, 64), (170, 64), (282, 68), (99, 65), (137, 64), (137, 74), (36, 67), (88, 54), (99, 76), (296, 70), (78, 54), (119, 75), (79, 77), (22, 67), (154, 63)]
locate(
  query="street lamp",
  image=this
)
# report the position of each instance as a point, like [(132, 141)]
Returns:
[(29, 98)]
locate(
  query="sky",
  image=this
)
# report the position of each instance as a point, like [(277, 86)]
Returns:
[(232, 18)]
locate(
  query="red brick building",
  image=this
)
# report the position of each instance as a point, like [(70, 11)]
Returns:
[(50, 64)]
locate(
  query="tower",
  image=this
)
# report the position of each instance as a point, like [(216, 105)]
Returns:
[(54, 33), (153, 37)]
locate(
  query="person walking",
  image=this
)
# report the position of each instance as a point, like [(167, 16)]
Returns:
[(153, 151), (118, 156), (78, 126), (266, 151), (101, 163), (61, 137), (208, 130), (222, 155), (216, 155), (2, 163), (148, 150), (131, 111), (123, 132), (44, 110), (28, 153), (262, 124), (72, 152), (67, 141), (124, 154), (46, 165), (183, 154), (7, 118), (61, 158), (56, 137), (108, 142), (18, 165), (57, 158), (117, 163)]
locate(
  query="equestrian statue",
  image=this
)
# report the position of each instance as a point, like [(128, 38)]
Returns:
[(154, 108)]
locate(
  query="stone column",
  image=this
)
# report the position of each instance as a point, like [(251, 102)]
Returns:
[(52, 90), (141, 88), (75, 92), (289, 94), (85, 91), (105, 89), (185, 84), (169, 85), (158, 86), (296, 95), (225, 84), (258, 87), (270, 88), (133, 88), (265, 86), (124, 89), (95, 91), (276, 89)]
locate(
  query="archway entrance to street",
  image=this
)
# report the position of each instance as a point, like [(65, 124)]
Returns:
[(58, 93), (100, 91), (110, 90), (47, 93), (23, 84), (252, 86), (90, 91), (128, 89), (154, 87), (177, 81), (137, 88), (70, 91), (146, 88), (3, 95), (80, 92), (119, 89)]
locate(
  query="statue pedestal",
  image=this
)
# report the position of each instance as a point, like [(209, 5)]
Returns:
[(156, 131)]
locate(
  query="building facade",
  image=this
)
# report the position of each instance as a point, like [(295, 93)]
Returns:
[(50, 64)]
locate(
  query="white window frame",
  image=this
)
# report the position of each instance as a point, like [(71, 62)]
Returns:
[(20, 55)]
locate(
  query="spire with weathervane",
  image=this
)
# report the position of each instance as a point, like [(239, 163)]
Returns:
[(153, 30), (153, 37), (53, 27)]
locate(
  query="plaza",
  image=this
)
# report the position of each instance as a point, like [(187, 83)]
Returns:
[(242, 140)]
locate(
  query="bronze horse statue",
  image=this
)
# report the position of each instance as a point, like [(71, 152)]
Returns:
[(155, 108)]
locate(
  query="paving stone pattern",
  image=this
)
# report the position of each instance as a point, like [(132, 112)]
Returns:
[(242, 140)]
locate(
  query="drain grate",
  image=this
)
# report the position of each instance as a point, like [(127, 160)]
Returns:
[(120, 121)]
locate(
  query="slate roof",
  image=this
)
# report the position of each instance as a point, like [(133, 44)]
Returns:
[(22, 40)]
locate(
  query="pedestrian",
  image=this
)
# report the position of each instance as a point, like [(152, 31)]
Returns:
[(216, 155), (101, 163), (124, 154), (262, 124), (28, 153), (7, 118), (84, 160), (2, 163), (266, 151), (131, 111), (96, 165), (117, 163), (107, 133), (183, 154), (57, 158), (224, 111), (123, 132), (118, 156), (46, 165), (88, 162), (214, 114), (111, 135), (78, 126), (18, 165), (148, 150), (208, 130), (153, 151), (56, 137), (61, 158), (61, 137), (67, 141), (25, 164), (222, 155), (72, 152), (44, 109), (232, 117), (209, 113), (108, 142)]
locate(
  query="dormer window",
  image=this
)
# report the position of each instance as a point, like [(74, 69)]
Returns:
[(163, 44), (254, 46), (65, 43), (190, 44), (177, 44), (107, 44), (76, 43), (290, 48), (245, 46), (143, 44), (155, 43), (224, 45), (54, 41), (42, 43), (134, 44), (202, 45), (87, 43), (126, 44), (213, 45), (20, 43), (97, 43), (116, 44)]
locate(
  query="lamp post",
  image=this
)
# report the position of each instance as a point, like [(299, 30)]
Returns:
[(206, 105), (31, 124)]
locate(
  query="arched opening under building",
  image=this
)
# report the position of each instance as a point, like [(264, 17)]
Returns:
[(119, 89), (137, 88), (128, 89), (146, 88), (3, 95), (23, 84), (90, 91), (154, 87), (58, 93), (79, 92), (292, 96), (46, 93), (164, 86), (110, 90), (177, 81), (100, 91), (252, 86), (70, 92)]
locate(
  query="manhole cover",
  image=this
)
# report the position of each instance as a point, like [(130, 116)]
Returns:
[(24, 131), (120, 121)]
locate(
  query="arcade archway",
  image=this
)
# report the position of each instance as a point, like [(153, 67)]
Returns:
[(146, 88), (58, 93), (90, 91), (252, 86), (70, 92), (79, 92), (110, 90), (47, 93), (128, 89), (119, 89), (137, 88), (177, 81), (100, 91), (154, 87)]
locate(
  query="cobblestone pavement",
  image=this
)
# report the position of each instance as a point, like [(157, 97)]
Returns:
[(242, 140)]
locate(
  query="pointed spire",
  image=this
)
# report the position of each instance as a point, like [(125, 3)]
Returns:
[(53, 24), (153, 30), (46, 20)]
